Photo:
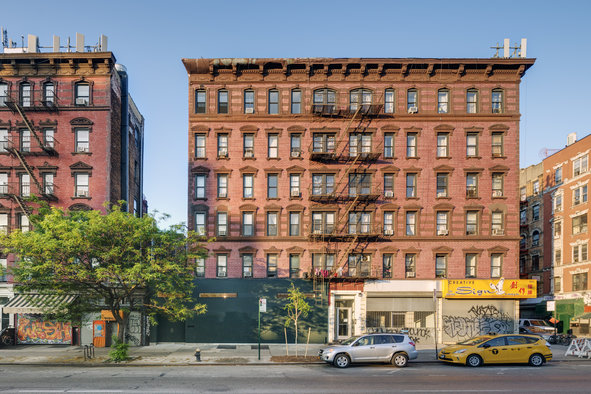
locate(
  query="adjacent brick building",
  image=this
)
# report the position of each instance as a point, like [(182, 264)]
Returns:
[(69, 134), (377, 178)]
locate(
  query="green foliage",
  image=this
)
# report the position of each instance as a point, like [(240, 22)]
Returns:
[(111, 260), (296, 305), (120, 350)]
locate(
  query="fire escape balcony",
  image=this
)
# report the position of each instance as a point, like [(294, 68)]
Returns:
[(46, 104), (28, 147)]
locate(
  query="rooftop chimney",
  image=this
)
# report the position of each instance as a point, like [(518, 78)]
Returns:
[(571, 139)]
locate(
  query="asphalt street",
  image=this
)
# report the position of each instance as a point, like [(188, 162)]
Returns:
[(566, 377)]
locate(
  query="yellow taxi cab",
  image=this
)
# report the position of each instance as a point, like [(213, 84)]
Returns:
[(498, 348)]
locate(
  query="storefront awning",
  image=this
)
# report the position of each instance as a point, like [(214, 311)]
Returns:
[(37, 303)]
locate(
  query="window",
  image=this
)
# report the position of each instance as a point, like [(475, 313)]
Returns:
[(359, 97), (272, 265), (558, 257), (82, 189), (222, 145), (557, 282), (49, 93), (222, 185), (273, 102), (295, 145), (200, 101), (410, 260), (535, 212), (272, 181), (248, 146), (296, 101), (48, 187), (222, 102), (48, 138), (200, 146), (580, 281), (497, 227), (472, 223), (580, 195), (522, 194), (442, 182), (200, 223), (294, 185), (25, 94), (4, 223), (323, 222), (387, 261), (248, 224), (472, 101), (3, 94), (411, 223), (440, 265), (471, 185), (536, 187), (249, 101), (359, 223), (359, 143), (389, 101), (24, 223), (411, 185), (322, 184), (497, 145), (272, 227), (580, 253), (247, 260), (222, 265), (443, 101), (442, 223), (82, 95), (222, 224), (472, 145), (3, 183), (200, 186), (412, 100), (25, 185), (323, 143), (200, 267), (411, 145), (321, 261), (580, 165), (359, 265), (471, 259), (248, 186), (535, 238), (3, 140), (442, 144), (389, 185), (557, 229), (294, 223), (359, 184), (522, 264), (273, 143), (324, 100), (497, 101), (3, 269), (497, 184), (389, 145), (388, 223), (558, 175), (294, 265), (25, 140), (496, 261), (580, 224)]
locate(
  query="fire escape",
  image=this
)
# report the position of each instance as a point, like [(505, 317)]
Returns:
[(351, 228), (19, 146)]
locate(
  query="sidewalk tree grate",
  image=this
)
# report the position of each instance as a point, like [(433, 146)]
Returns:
[(232, 347), (254, 347)]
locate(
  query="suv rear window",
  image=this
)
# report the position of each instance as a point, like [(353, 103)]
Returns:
[(399, 338)]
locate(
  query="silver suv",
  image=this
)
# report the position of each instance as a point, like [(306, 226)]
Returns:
[(386, 348)]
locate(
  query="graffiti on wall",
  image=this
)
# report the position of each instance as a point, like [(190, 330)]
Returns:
[(134, 329), (481, 319), (33, 330), (417, 334)]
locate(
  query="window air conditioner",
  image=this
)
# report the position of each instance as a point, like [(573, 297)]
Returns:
[(497, 193), (388, 232), (81, 101), (223, 153), (82, 193), (413, 110), (317, 231), (295, 193), (295, 153), (410, 274), (249, 153), (497, 231), (249, 110), (442, 232), (389, 193)]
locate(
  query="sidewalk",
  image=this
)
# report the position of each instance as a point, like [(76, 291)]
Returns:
[(171, 354)]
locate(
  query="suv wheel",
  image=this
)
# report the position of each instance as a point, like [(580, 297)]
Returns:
[(400, 360), (341, 360), (474, 360), (536, 360)]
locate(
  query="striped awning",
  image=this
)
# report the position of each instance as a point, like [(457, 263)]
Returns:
[(37, 303)]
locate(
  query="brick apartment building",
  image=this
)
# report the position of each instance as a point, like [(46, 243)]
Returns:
[(377, 179), (69, 133)]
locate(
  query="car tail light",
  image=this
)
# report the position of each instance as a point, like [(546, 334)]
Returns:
[(411, 343)]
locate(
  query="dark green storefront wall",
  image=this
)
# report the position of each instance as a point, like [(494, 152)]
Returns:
[(234, 320), (567, 309)]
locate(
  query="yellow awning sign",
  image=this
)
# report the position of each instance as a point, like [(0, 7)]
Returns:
[(489, 288)]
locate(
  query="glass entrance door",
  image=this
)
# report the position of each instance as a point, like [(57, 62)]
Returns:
[(343, 323)]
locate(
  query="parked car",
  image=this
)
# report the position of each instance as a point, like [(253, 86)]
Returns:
[(386, 348), (493, 349), (537, 327)]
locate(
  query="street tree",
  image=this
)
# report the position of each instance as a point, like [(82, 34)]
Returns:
[(114, 260), (296, 306)]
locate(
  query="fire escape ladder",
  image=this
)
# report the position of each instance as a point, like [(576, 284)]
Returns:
[(26, 166), (17, 107), (22, 205)]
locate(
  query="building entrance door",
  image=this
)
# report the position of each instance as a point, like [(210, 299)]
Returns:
[(343, 323)]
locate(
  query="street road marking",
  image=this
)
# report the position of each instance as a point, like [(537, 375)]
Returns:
[(454, 391), (393, 371)]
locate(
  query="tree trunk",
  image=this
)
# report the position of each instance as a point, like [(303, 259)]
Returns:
[(121, 324), (296, 336)]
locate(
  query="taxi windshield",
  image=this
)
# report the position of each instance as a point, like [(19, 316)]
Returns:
[(474, 341)]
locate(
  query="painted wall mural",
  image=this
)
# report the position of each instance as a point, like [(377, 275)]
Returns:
[(421, 335), (466, 319), (32, 329)]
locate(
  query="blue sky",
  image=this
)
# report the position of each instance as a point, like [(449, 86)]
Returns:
[(151, 37)]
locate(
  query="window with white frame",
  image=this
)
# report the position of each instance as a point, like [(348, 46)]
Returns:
[(411, 145), (360, 97), (497, 227), (49, 93), (200, 223), (557, 256), (388, 223), (3, 269), (222, 186), (472, 144), (557, 203), (223, 101), (411, 223), (248, 146), (580, 253), (273, 102), (248, 224), (359, 222), (272, 225), (3, 94), (200, 101), (4, 223), (443, 101), (323, 143), (200, 186), (25, 185), (389, 101), (294, 265), (442, 184), (535, 238), (26, 94), (580, 281), (579, 224), (3, 140), (323, 222), (410, 265), (249, 101), (389, 185), (388, 145), (272, 186), (359, 143), (82, 94), (557, 227), (411, 185), (558, 175), (24, 224), (471, 222), (323, 261), (25, 142), (535, 212), (294, 185), (471, 185), (81, 180), (580, 195), (3, 183), (442, 225), (296, 101), (442, 144), (295, 144), (322, 184), (247, 185), (497, 184), (222, 224), (497, 101), (272, 259), (471, 260), (387, 262), (580, 165), (221, 265), (223, 145), (440, 265), (472, 101), (200, 267), (273, 142), (247, 262), (200, 146), (497, 145), (295, 219), (536, 187), (496, 263), (522, 194), (48, 186), (412, 100)]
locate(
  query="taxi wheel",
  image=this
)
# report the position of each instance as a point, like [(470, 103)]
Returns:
[(400, 360), (341, 360), (536, 360), (474, 360)]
